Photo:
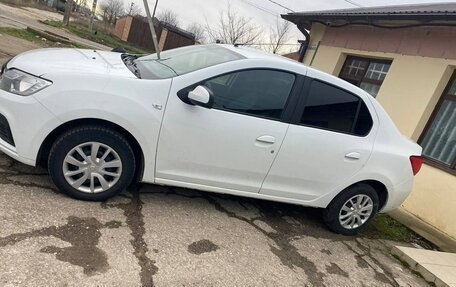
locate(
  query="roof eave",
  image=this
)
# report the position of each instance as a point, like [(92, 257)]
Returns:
[(307, 19)]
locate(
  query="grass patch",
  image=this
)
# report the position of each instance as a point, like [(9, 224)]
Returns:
[(385, 227), (34, 37), (21, 33), (98, 37)]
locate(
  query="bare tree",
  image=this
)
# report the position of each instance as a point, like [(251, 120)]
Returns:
[(133, 9), (169, 17), (278, 36), (232, 28), (79, 4), (197, 30), (111, 9)]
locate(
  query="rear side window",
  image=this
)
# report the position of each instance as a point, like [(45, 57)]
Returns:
[(334, 109)]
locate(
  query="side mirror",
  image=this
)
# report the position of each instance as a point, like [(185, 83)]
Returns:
[(201, 96)]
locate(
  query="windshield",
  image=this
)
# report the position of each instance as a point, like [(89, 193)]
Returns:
[(184, 60)]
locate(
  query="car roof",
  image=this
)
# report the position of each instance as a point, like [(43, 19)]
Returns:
[(256, 54), (251, 53)]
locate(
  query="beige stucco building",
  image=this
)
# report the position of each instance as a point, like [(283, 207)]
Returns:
[(405, 56)]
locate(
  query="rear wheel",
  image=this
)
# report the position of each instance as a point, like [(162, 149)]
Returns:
[(352, 210), (91, 163)]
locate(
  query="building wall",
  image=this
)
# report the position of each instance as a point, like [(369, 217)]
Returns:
[(316, 34), (409, 94), (436, 42), (139, 34), (174, 40), (123, 27), (136, 31)]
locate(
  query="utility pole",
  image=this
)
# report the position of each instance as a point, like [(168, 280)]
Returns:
[(155, 9), (92, 15), (151, 26)]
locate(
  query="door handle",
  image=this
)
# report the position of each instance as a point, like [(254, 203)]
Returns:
[(353, 155), (266, 139)]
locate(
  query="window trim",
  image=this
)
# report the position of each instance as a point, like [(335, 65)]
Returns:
[(368, 60), (288, 109), (299, 110), (428, 160)]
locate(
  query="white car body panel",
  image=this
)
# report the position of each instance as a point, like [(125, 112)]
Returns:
[(73, 61), (207, 149), (124, 100)]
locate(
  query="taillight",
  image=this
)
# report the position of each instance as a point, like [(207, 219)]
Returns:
[(416, 162)]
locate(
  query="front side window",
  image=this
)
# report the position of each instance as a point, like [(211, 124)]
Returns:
[(439, 138), (368, 74), (331, 108), (261, 93)]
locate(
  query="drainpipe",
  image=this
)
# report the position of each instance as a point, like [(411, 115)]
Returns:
[(304, 44)]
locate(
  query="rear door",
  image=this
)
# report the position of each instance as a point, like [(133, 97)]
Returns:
[(330, 139)]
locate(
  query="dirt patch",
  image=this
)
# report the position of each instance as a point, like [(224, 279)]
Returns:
[(82, 233), (202, 246), (335, 269), (326, 251)]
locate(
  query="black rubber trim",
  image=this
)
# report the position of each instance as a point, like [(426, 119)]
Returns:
[(5, 131)]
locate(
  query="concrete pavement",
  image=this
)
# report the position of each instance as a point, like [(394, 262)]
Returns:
[(162, 236), (436, 267), (19, 17)]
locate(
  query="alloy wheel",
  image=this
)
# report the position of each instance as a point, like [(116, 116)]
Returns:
[(92, 167), (356, 211)]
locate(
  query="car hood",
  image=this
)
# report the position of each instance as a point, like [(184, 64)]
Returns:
[(61, 60)]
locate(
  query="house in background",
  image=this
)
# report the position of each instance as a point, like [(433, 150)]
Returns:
[(57, 4), (135, 30), (405, 57)]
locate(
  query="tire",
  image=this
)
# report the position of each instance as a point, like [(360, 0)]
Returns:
[(336, 218), (101, 175)]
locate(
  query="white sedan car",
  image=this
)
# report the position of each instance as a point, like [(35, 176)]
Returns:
[(217, 118)]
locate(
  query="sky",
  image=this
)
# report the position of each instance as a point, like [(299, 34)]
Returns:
[(263, 13)]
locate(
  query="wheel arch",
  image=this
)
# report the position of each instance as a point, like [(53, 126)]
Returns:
[(379, 187), (46, 145)]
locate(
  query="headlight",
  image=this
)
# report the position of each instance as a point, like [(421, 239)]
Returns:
[(18, 82)]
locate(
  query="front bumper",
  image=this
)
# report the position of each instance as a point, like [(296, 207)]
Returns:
[(29, 121)]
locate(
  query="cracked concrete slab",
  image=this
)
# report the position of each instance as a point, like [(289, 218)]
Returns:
[(257, 243), (161, 236)]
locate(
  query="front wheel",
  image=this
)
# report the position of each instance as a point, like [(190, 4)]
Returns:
[(91, 163), (352, 210)]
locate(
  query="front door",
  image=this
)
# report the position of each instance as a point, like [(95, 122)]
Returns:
[(231, 146)]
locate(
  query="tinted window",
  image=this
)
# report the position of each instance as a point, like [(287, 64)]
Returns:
[(262, 93), (334, 109), (364, 122)]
